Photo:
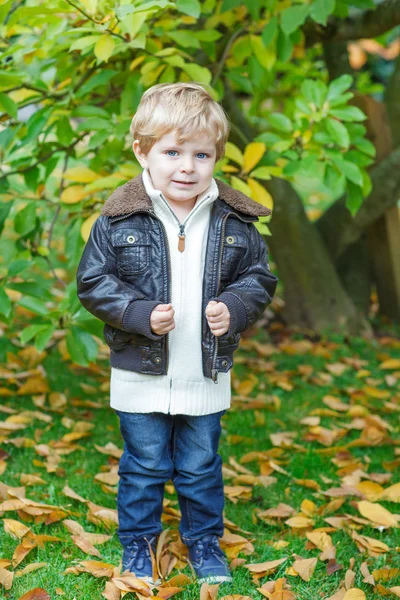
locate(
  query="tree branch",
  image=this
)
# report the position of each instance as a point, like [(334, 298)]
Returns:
[(339, 229), (365, 24)]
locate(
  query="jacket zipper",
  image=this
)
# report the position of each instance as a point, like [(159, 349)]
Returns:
[(150, 212), (214, 372)]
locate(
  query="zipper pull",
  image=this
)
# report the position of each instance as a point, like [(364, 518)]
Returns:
[(181, 236), (214, 375)]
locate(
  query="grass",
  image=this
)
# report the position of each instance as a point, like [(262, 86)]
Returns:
[(307, 462)]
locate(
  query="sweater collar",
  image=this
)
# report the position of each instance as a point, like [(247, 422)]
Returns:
[(160, 202), (132, 197)]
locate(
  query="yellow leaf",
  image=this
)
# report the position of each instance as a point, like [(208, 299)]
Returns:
[(6, 578), (260, 194), (377, 513), (354, 594), (371, 490), (299, 522), (376, 393), (15, 528), (252, 155), (233, 153), (137, 61), (87, 226), (392, 493), (73, 194), (240, 185), (104, 47), (305, 567), (265, 566), (392, 363), (81, 175)]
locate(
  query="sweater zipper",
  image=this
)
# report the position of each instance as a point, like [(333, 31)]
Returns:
[(182, 234), (214, 372), (150, 212)]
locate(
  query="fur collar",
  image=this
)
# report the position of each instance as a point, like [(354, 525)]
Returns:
[(132, 196)]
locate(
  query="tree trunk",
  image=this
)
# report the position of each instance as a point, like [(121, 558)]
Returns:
[(314, 296)]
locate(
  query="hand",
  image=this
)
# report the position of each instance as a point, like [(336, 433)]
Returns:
[(162, 319), (218, 317)]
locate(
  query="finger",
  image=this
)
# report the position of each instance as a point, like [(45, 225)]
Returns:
[(163, 307), (219, 332)]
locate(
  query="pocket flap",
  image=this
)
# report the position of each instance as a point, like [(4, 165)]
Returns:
[(130, 238)]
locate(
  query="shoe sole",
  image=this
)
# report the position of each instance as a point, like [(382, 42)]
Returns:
[(215, 579)]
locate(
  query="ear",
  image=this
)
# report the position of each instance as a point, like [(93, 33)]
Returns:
[(141, 157)]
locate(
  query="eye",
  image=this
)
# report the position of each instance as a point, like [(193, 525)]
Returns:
[(171, 152), (202, 155)]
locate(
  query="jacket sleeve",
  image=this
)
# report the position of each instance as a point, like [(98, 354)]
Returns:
[(111, 300), (248, 296)]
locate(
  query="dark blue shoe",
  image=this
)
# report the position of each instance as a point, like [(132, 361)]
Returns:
[(208, 560), (137, 559)]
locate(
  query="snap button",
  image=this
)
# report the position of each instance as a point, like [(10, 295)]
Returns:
[(157, 360), (224, 363), (230, 239), (131, 239)]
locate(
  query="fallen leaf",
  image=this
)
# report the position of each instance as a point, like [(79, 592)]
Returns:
[(392, 493), (36, 594), (6, 578), (265, 566), (376, 513), (305, 567), (354, 594)]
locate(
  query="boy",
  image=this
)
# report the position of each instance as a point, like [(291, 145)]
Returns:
[(176, 270)]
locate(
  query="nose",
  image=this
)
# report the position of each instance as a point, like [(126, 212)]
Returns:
[(187, 164)]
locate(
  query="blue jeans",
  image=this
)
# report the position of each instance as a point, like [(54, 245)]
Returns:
[(159, 447)]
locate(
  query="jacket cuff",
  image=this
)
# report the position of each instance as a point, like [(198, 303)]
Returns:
[(136, 318), (237, 310)]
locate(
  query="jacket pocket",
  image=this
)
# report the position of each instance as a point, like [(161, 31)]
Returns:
[(116, 338), (235, 244), (133, 250)]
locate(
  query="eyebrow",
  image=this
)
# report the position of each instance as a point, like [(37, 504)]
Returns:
[(176, 147)]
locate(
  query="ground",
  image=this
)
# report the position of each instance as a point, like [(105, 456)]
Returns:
[(311, 456)]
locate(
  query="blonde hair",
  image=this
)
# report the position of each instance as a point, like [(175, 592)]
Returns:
[(186, 108)]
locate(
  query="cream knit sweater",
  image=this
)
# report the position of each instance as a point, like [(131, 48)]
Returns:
[(184, 390)]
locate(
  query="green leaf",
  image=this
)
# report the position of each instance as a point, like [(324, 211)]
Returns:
[(10, 107), (25, 219), (36, 305), (189, 7), (197, 73), (321, 9), (270, 31), (280, 122), (338, 132), (261, 173), (5, 208), (229, 4), (314, 92), (339, 85), (84, 42), (284, 46), (293, 17), (95, 124), (30, 332), (5, 303), (76, 350), (207, 35), (184, 38), (348, 113), (365, 146), (43, 337), (354, 198), (65, 133), (351, 172)]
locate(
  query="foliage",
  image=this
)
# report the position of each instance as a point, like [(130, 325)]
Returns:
[(72, 75), (311, 477)]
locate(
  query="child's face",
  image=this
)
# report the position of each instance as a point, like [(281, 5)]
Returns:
[(180, 171)]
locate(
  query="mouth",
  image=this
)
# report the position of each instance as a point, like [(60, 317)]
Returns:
[(184, 182)]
